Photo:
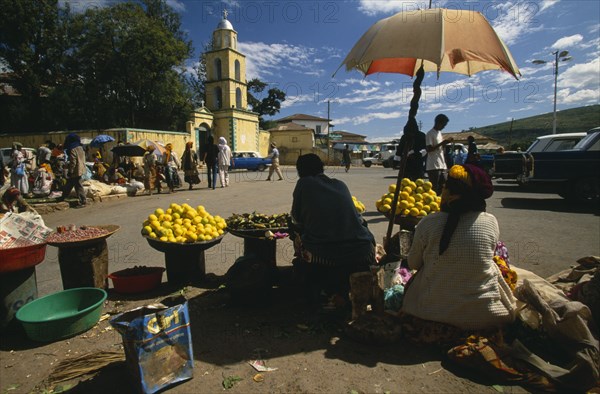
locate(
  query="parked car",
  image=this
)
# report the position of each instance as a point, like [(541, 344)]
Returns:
[(572, 173), (513, 165), (248, 160)]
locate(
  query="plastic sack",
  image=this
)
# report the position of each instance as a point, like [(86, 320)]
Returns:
[(87, 175), (20, 170), (158, 344)]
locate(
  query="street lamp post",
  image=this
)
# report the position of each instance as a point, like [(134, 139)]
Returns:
[(563, 56)]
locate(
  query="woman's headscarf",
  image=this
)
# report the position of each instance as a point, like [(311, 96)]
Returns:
[(467, 188), (222, 141), (72, 141), (168, 149), (10, 195), (188, 145)]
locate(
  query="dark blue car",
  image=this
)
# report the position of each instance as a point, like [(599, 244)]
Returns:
[(249, 160)]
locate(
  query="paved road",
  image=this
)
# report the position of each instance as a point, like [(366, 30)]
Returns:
[(543, 232)]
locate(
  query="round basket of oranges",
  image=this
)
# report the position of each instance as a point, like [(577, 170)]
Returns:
[(416, 199)]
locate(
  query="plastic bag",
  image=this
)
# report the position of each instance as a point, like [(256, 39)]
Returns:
[(20, 169), (158, 344)]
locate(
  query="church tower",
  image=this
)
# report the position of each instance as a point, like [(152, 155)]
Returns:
[(226, 69), (226, 90)]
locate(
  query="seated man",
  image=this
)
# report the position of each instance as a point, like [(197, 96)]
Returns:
[(332, 238)]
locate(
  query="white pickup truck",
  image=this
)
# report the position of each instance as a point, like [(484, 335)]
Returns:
[(382, 157)]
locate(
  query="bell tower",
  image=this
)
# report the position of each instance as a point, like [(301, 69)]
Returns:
[(226, 68), (227, 91)]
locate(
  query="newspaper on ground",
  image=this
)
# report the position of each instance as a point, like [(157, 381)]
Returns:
[(22, 229)]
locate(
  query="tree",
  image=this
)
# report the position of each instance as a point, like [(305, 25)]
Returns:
[(125, 60), (118, 66), (33, 41), (269, 105), (196, 80)]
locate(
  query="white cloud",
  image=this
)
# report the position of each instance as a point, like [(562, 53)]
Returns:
[(366, 118), (511, 21), (567, 42), (177, 5), (584, 96), (362, 82), (264, 59), (376, 7), (592, 44), (291, 100), (581, 76), (545, 4), (232, 3)]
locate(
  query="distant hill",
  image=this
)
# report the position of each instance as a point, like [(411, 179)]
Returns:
[(524, 131)]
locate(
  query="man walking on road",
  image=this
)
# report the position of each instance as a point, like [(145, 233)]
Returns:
[(274, 163), (346, 157), (436, 164)]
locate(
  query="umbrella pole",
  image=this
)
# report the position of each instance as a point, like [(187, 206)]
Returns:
[(401, 170), (414, 106)]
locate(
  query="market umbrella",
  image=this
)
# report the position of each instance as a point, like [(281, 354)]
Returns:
[(100, 140), (419, 41), (138, 148), (159, 149), (439, 39)]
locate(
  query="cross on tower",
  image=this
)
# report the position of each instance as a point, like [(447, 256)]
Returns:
[(225, 13)]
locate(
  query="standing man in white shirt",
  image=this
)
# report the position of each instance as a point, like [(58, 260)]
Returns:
[(436, 164), (274, 163)]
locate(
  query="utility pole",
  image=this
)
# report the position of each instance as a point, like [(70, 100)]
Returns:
[(562, 56), (328, 125), (510, 132)]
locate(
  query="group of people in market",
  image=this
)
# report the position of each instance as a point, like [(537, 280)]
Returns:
[(33, 174), (458, 282), (63, 167), (157, 168), (426, 153)]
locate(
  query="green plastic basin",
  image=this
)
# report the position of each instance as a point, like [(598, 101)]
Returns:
[(63, 314)]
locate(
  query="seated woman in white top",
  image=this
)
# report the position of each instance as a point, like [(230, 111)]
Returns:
[(457, 282)]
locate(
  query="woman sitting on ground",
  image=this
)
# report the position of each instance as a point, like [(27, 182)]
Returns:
[(332, 240), (12, 201), (457, 282)]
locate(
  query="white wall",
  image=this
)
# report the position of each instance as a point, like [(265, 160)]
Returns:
[(312, 124)]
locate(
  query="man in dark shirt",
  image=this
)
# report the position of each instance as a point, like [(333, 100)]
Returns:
[(334, 241), (413, 141)]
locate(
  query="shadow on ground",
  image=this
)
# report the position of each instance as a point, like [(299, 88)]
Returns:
[(227, 331), (550, 204)]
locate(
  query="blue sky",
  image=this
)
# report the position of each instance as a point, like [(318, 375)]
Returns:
[(298, 45)]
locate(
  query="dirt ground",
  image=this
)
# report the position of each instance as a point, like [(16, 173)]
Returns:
[(308, 348)]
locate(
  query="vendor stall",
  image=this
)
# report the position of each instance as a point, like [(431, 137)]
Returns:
[(260, 233), (83, 254), (22, 247), (183, 234)]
